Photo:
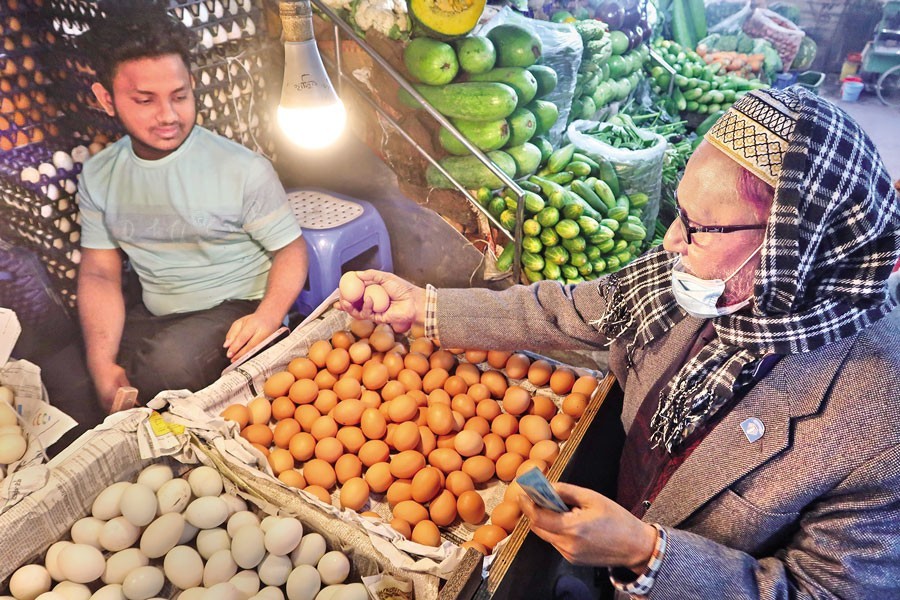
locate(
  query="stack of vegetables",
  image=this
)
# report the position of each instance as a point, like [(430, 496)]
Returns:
[(740, 54), (698, 87), (491, 89), (578, 225)]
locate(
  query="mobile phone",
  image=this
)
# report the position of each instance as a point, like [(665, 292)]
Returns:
[(540, 491)]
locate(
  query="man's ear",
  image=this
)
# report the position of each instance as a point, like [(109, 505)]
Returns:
[(104, 98)]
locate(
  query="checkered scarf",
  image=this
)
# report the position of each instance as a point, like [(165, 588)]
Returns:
[(832, 239)]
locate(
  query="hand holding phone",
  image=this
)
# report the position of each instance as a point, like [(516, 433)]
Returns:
[(540, 491)]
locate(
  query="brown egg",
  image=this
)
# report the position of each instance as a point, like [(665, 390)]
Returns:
[(302, 446), (303, 391), (352, 438), (306, 415), (375, 376), (399, 491), (475, 546), (476, 356), (406, 436), (391, 390), (280, 460), (442, 360), (354, 493), (373, 424), (422, 419), (362, 328), (260, 410), (489, 536), (489, 409), (319, 472), (535, 428), (403, 408), (497, 358), (329, 449), (370, 399), (440, 419), (542, 406), (342, 339), (374, 451), (469, 373), (360, 352), (318, 352), (545, 450), (319, 492), (505, 425), (445, 459), (410, 511), (506, 515), (410, 379), (426, 533), (507, 465), (371, 515), (516, 400), (348, 390), (325, 379), (347, 467), (382, 340), (439, 396), (464, 405), (539, 372), (325, 402), (532, 463), (292, 478), (238, 413), (562, 425), (302, 368), (416, 362), (406, 464), (494, 446), (284, 431), (470, 507), (468, 443), (512, 492), (459, 482), (262, 449), (389, 438), (434, 379), (479, 468), (442, 509), (495, 382), (394, 363), (258, 433), (354, 372), (427, 440), (517, 366), (278, 384), (519, 444), (574, 405), (422, 345), (324, 427), (459, 421), (282, 408), (401, 527), (348, 412), (426, 484), (455, 385), (479, 424), (419, 396), (586, 384), (562, 380), (379, 477)]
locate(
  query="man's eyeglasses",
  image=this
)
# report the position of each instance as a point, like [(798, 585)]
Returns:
[(688, 229)]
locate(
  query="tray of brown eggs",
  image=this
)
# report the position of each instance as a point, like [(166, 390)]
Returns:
[(425, 439)]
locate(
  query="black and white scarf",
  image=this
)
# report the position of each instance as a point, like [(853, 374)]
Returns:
[(832, 239)]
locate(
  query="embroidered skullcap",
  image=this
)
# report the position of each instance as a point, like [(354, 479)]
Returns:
[(755, 133)]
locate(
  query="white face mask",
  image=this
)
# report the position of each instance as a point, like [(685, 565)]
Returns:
[(698, 297)]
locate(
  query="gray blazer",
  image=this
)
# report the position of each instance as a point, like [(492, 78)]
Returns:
[(810, 510)]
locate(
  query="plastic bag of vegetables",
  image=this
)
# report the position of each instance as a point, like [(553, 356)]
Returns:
[(734, 23), (639, 170)]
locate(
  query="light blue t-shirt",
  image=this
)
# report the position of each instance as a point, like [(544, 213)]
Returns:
[(198, 225)]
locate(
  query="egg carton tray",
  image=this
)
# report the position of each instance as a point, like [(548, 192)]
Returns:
[(29, 37), (15, 161), (20, 7), (71, 17)]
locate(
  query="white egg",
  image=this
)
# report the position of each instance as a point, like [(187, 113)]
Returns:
[(87, 531), (333, 567), (70, 187), (247, 582), (72, 591), (233, 503), (4, 429), (12, 448), (155, 476), (51, 596), (96, 147), (30, 175), (51, 560), (119, 533), (220, 567), (329, 592), (162, 535), (224, 591), (205, 481), (173, 496), (139, 504), (248, 546), (62, 160), (47, 169), (8, 415), (272, 592), (106, 504), (206, 512), (210, 541), (239, 519), (81, 563), (143, 583), (194, 593), (7, 396), (268, 522), (303, 583), (352, 591), (274, 570), (284, 536), (120, 564), (29, 582), (309, 551), (109, 592), (189, 533), (80, 154), (183, 566)]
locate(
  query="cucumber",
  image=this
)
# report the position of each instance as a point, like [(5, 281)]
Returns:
[(606, 246), (545, 114), (567, 229), (572, 211), (578, 168), (531, 227), (543, 145), (430, 61), (527, 158), (532, 262), (562, 178), (609, 177), (496, 206), (549, 238), (605, 193), (595, 167), (577, 259), (475, 100), (599, 265), (519, 79), (470, 172), (560, 158), (522, 127), (485, 135), (551, 270), (575, 244), (532, 244), (508, 219), (546, 78), (475, 54), (548, 217), (568, 272), (611, 223), (587, 194), (586, 269), (631, 232), (504, 261), (588, 225), (557, 255), (533, 276)]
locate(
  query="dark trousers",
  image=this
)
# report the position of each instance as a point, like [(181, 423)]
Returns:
[(179, 351)]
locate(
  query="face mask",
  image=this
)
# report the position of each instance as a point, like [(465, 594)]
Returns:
[(698, 297)]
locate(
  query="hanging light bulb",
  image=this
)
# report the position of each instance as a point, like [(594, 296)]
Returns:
[(310, 112)]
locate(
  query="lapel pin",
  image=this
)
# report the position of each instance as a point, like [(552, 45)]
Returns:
[(753, 429)]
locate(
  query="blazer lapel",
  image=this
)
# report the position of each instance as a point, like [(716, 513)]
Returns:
[(796, 387)]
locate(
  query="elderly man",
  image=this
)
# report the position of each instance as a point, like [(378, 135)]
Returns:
[(760, 376)]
